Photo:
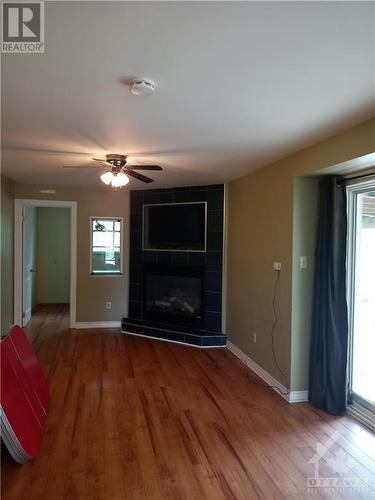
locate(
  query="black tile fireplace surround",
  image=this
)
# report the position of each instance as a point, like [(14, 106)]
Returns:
[(177, 295)]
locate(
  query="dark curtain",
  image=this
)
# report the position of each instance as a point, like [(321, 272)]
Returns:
[(329, 333)]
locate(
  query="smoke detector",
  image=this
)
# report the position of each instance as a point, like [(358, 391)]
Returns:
[(142, 87)]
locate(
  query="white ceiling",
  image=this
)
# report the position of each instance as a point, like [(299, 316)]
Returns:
[(240, 84)]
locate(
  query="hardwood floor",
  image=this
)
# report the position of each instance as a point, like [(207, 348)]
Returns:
[(132, 418)]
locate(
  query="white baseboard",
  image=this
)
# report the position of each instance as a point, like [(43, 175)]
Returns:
[(291, 397), (95, 324), (298, 396)]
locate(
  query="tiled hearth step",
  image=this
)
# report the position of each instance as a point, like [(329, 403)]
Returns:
[(194, 337)]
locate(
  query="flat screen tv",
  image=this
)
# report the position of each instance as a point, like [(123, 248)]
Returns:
[(176, 226)]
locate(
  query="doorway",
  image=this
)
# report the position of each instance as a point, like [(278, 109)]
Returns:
[(361, 298), (45, 256)]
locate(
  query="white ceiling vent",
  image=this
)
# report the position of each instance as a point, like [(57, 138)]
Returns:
[(142, 87)]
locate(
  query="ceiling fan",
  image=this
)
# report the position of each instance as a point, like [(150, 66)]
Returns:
[(118, 171)]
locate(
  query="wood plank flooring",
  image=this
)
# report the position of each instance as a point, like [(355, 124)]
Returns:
[(132, 418)]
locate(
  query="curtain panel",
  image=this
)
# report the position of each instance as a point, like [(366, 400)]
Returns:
[(329, 333)]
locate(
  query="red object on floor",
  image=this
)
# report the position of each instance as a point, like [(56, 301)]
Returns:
[(31, 366), (24, 396)]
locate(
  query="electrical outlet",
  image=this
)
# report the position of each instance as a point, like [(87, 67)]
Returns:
[(277, 266), (255, 337), (303, 262), (108, 305)]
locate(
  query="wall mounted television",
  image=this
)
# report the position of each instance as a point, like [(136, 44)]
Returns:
[(180, 227)]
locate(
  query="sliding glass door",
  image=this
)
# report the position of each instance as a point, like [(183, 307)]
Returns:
[(361, 298)]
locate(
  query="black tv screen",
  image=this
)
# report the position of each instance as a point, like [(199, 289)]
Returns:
[(181, 226)]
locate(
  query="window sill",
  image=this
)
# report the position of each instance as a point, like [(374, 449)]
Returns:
[(106, 275)]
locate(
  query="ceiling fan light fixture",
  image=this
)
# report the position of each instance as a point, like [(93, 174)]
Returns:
[(116, 165), (107, 178), (120, 180)]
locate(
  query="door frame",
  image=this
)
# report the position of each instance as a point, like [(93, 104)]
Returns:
[(357, 406), (27, 308), (19, 205)]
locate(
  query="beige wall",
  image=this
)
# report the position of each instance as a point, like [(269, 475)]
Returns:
[(53, 255), (7, 221), (305, 216), (92, 292), (260, 231)]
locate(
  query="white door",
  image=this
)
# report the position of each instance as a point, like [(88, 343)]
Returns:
[(29, 262), (362, 297)]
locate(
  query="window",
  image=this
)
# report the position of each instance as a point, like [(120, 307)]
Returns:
[(106, 245), (361, 299)]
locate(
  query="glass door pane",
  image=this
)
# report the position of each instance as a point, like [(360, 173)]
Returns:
[(362, 292)]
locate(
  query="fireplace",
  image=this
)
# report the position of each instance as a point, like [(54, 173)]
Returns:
[(177, 295), (173, 294)]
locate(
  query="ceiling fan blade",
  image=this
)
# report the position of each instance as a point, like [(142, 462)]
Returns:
[(83, 166), (144, 167), (44, 151), (103, 161), (138, 176)]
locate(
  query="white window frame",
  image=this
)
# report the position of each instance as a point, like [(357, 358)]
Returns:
[(113, 274), (357, 406)]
